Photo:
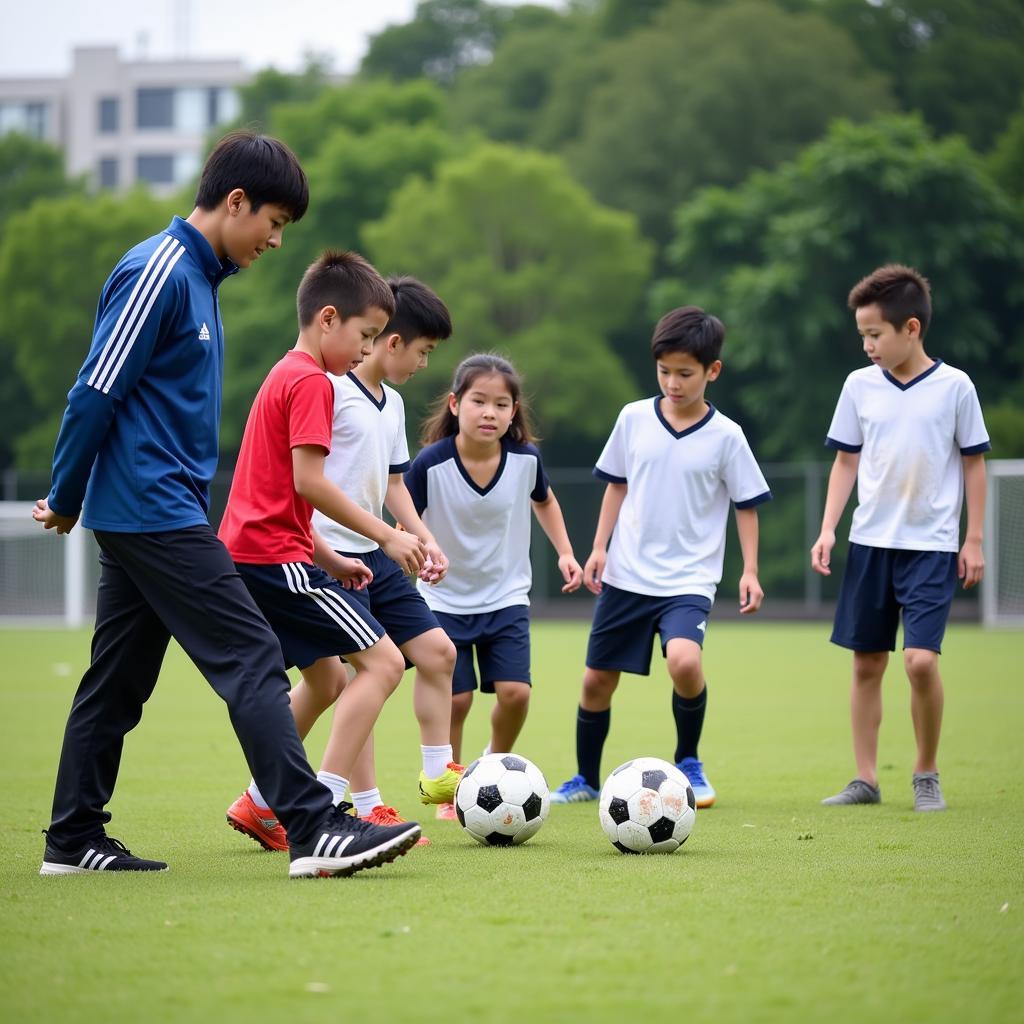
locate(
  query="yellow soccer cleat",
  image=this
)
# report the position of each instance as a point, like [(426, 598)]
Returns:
[(442, 789)]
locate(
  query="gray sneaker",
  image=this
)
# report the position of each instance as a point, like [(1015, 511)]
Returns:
[(856, 792), (927, 792)]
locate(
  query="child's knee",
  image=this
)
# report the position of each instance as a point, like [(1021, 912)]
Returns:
[(684, 666), (433, 653), (599, 685), (387, 663), (921, 665), (514, 696), (869, 666)]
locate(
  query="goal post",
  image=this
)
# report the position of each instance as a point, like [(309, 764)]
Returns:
[(1002, 587)]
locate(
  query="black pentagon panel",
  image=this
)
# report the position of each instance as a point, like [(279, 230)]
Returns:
[(471, 768), (618, 811), (661, 830), (499, 839), (690, 798), (653, 778), (513, 763), (460, 815), (531, 806), (623, 849), (622, 768), (488, 798)]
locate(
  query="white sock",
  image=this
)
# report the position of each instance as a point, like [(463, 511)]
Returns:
[(257, 796), (435, 760), (335, 783), (365, 800)]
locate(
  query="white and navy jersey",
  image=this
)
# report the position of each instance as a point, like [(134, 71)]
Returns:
[(911, 438), (139, 439), (670, 535), (484, 531), (368, 444)]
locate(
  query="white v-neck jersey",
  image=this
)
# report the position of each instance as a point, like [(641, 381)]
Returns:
[(911, 438), (669, 538), (368, 444), (484, 531)]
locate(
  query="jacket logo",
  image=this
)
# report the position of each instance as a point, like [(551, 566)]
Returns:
[(204, 333)]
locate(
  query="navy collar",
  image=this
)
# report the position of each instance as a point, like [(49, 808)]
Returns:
[(689, 430), (201, 251), (379, 406), (910, 383)]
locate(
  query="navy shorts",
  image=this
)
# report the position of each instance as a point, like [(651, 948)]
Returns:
[(310, 612), (622, 633), (879, 582), (392, 598), (502, 642)]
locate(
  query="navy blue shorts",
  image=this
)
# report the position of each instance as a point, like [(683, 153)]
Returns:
[(622, 633), (880, 582), (502, 642), (310, 612), (392, 598)]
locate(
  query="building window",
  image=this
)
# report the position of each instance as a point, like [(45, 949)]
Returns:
[(155, 168), (27, 118), (154, 108), (108, 172), (110, 115)]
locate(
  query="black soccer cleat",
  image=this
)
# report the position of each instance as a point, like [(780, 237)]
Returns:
[(100, 854), (346, 844)]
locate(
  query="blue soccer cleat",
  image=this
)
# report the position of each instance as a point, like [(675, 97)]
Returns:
[(575, 791), (703, 791)]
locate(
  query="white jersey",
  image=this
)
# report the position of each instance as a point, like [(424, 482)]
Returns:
[(911, 438), (669, 538), (368, 444), (484, 531)]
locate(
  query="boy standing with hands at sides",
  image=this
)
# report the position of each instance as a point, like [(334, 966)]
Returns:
[(135, 455), (369, 453), (909, 431), (673, 465)]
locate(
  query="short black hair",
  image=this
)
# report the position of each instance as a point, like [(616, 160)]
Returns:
[(419, 312), (900, 293), (265, 168), (346, 281), (689, 329)]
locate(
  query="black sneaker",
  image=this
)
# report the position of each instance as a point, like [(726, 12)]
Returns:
[(100, 854), (346, 844)]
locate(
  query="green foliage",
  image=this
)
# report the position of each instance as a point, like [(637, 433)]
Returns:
[(776, 258), (30, 170), (1006, 161), (531, 266), (1005, 423), (271, 87)]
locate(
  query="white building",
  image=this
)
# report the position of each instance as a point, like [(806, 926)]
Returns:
[(122, 122)]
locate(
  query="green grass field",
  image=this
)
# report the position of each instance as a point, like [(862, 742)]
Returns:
[(776, 909)]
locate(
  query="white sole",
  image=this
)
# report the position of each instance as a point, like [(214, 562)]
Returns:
[(323, 867), (73, 869)]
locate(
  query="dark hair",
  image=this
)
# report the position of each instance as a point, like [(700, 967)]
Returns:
[(419, 312), (689, 329), (443, 424), (346, 281), (900, 293), (265, 168)]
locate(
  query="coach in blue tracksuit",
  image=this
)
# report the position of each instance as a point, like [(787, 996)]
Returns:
[(135, 455)]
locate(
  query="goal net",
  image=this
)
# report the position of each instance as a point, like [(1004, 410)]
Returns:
[(1002, 587)]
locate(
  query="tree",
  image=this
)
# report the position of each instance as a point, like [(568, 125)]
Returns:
[(775, 259), (271, 87), (1006, 161), (531, 266), (30, 170)]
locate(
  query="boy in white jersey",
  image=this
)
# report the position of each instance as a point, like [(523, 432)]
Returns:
[(673, 465), (909, 431)]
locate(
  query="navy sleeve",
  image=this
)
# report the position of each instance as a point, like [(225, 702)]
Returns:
[(416, 483), (540, 488)]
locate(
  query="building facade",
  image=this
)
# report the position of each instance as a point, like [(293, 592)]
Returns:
[(123, 122)]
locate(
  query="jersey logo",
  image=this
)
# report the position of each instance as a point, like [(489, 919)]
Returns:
[(204, 333), (702, 626)]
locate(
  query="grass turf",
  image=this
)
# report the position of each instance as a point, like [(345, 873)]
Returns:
[(777, 909)]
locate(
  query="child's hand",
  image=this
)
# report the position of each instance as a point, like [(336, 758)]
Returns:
[(352, 573), (821, 553), (971, 563), (435, 568), (406, 549), (571, 573), (594, 570), (751, 594), (51, 520)]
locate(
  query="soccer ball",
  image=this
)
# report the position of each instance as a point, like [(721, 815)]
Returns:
[(502, 800), (647, 806)]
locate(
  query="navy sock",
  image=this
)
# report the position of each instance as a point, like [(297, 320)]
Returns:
[(591, 732), (689, 715)]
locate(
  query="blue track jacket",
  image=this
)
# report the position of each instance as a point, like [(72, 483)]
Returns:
[(138, 443)]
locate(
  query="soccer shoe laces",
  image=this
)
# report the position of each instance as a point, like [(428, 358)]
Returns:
[(385, 815), (115, 845), (573, 785), (695, 773)]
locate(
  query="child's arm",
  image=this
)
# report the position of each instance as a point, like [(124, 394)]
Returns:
[(840, 486), (611, 503), (351, 573), (549, 515), (311, 484), (398, 501), (971, 563), (751, 594)]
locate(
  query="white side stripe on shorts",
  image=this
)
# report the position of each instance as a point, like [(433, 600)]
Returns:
[(133, 316), (330, 604)]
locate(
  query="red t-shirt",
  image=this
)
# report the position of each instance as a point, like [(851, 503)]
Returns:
[(266, 522)]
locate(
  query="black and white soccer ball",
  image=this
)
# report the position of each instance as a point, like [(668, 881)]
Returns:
[(502, 799), (647, 806)]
